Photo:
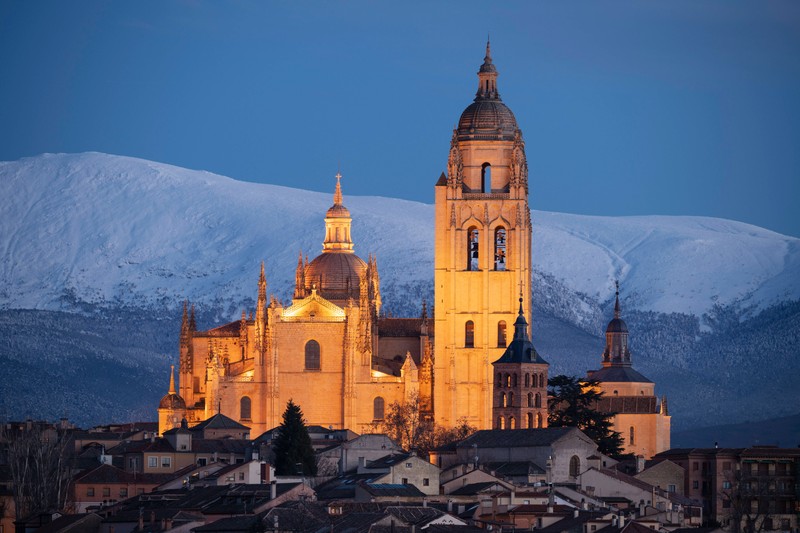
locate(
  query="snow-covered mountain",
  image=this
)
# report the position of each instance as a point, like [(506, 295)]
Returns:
[(98, 252), (110, 230)]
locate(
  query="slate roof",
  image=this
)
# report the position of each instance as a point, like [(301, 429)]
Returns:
[(618, 374), (219, 421), (475, 488), (111, 474), (234, 524), (572, 524), (388, 461), (519, 438), (514, 468), (392, 489), (416, 515), (401, 327)]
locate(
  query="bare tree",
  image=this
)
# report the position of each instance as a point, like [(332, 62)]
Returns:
[(405, 424), (747, 497), (39, 460)]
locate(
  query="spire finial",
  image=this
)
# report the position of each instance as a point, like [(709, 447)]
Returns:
[(616, 303), (488, 57), (337, 196), (172, 379)]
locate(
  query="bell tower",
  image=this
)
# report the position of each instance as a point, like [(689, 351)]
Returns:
[(482, 253)]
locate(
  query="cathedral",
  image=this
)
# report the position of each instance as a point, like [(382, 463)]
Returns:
[(334, 354)]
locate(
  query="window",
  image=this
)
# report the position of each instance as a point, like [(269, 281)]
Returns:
[(409, 465), (695, 466), (726, 484), (528, 383), (503, 400), (499, 379), (244, 408), (512, 423), (511, 399), (501, 339), (501, 423), (152, 461), (486, 170), (574, 466), (542, 381), (123, 492), (241, 476), (529, 420), (672, 488), (90, 491), (469, 334), (632, 439), (166, 462), (378, 405), (404, 481), (514, 380), (537, 401), (426, 482), (106, 492), (695, 484), (539, 420), (202, 461), (473, 236), (530, 399), (312, 355), (500, 248)]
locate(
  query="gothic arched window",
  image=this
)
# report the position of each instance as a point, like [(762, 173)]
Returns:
[(473, 238), (503, 400), (527, 380), (500, 248), (574, 466), (244, 408), (501, 423), (530, 400), (501, 334), (511, 399), (499, 379), (542, 381), (512, 423), (529, 419), (537, 400), (469, 334), (377, 408), (486, 176), (514, 380), (539, 420), (631, 441), (312, 355)]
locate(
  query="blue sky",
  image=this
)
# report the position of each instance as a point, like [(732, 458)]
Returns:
[(627, 108)]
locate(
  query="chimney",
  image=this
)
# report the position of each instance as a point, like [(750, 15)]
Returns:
[(621, 521), (152, 518), (575, 513), (424, 502), (639, 464), (273, 490), (614, 521), (449, 506), (362, 462), (169, 524)]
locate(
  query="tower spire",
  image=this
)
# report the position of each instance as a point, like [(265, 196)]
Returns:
[(337, 195), (171, 379), (616, 304), (487, 77)]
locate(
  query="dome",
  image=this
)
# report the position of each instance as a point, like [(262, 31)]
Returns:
[(338, 211), (173, 402), (617, 325), (336, 275), (487, 119)]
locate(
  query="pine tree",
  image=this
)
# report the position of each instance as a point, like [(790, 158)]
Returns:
[(573, 402), (292, 445)]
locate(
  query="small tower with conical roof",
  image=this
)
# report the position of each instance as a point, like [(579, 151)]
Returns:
[(639, 417), (520, 384), (171, 408)]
